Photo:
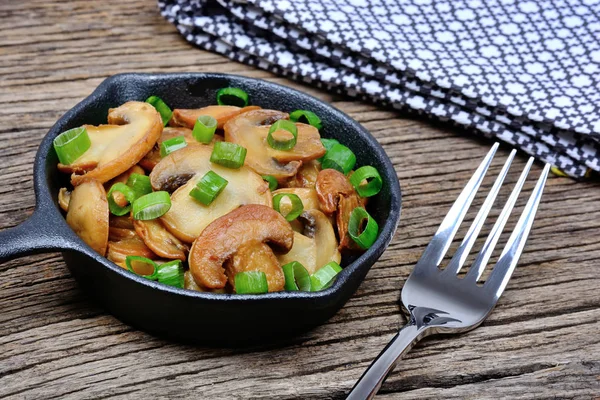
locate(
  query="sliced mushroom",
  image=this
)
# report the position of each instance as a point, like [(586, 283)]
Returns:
[(122, 178), (306, 176), (225, 235), (88, 215), (133, 130), (187, 218), (336, 193), (190, 284), (133, 246), (250, 130), (188, 117), (330, 185), (256, 256), (316, 246), (153, 157), (64, 197), (160, 240)]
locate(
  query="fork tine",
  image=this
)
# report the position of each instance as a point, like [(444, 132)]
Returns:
[(465, 247), (488, 247), (438, 246), (512, 251)]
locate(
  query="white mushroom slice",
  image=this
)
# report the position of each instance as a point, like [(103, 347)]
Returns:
[(316, 246), (88, 215), (133, 130), (251, 129), (187, 218)]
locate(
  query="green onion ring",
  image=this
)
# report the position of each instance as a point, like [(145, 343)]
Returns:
[(283, 124), (328, 144), (229, 155), (171, 273), (171, 145), (209, 187), (272, 181), (310, 117), (297, 206), (324, 276), (339, 157), (71, 144), (296, 277), (140, 184), (367, 237), (151, 206), (373, 178), (232, 96), (130, 259), (162, 108), (126, 191), (251, 282), (204, 129)]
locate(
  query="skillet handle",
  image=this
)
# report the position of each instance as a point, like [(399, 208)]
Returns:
[(37, 234)]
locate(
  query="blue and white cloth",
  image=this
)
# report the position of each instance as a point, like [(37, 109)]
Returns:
[(525, 72)]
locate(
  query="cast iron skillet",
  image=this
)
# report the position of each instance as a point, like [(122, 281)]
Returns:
[(177, 313)]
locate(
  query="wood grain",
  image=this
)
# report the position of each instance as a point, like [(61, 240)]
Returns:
[(542, 341)]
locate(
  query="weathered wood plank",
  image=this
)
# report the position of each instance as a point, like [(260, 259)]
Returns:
[(542, 341)]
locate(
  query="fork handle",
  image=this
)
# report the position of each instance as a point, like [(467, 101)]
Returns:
[(371, 380)]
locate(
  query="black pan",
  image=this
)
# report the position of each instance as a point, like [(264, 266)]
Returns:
[(182, 314)]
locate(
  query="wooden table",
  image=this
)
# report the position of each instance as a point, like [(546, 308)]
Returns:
[(542, 341)]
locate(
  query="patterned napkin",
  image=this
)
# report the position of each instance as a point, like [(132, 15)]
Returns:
[(525, 72)]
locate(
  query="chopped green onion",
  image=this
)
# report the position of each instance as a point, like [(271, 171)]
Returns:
[(141, 266), (228, 154), (297, 206), (71, 144), (296, 277), (272, 182), (163, 109), (339, 157), (324, 276), (140, 184), (285, 125), (367, 237), (128, 194), (171, 145), (204, 129), (328, 144), (306, 116), (171, 273), (371, 175), (151, 206), (251, 282), (232, 96), (209, 187)]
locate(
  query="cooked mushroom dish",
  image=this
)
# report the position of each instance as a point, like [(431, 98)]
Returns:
[(228, 198)]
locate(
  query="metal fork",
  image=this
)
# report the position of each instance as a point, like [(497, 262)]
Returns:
[(438, 301)]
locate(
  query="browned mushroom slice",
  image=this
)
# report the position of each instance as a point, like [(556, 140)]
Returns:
[(306, 176), (187, 217), (88, 215), (153, 157), (133, 246), (160, 240), (64, 197), (250, 130), (133, 130), (190, 284), (346, 205), (256, 256), (188, 117), (330, 185), (316, 245), (224, 236)]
